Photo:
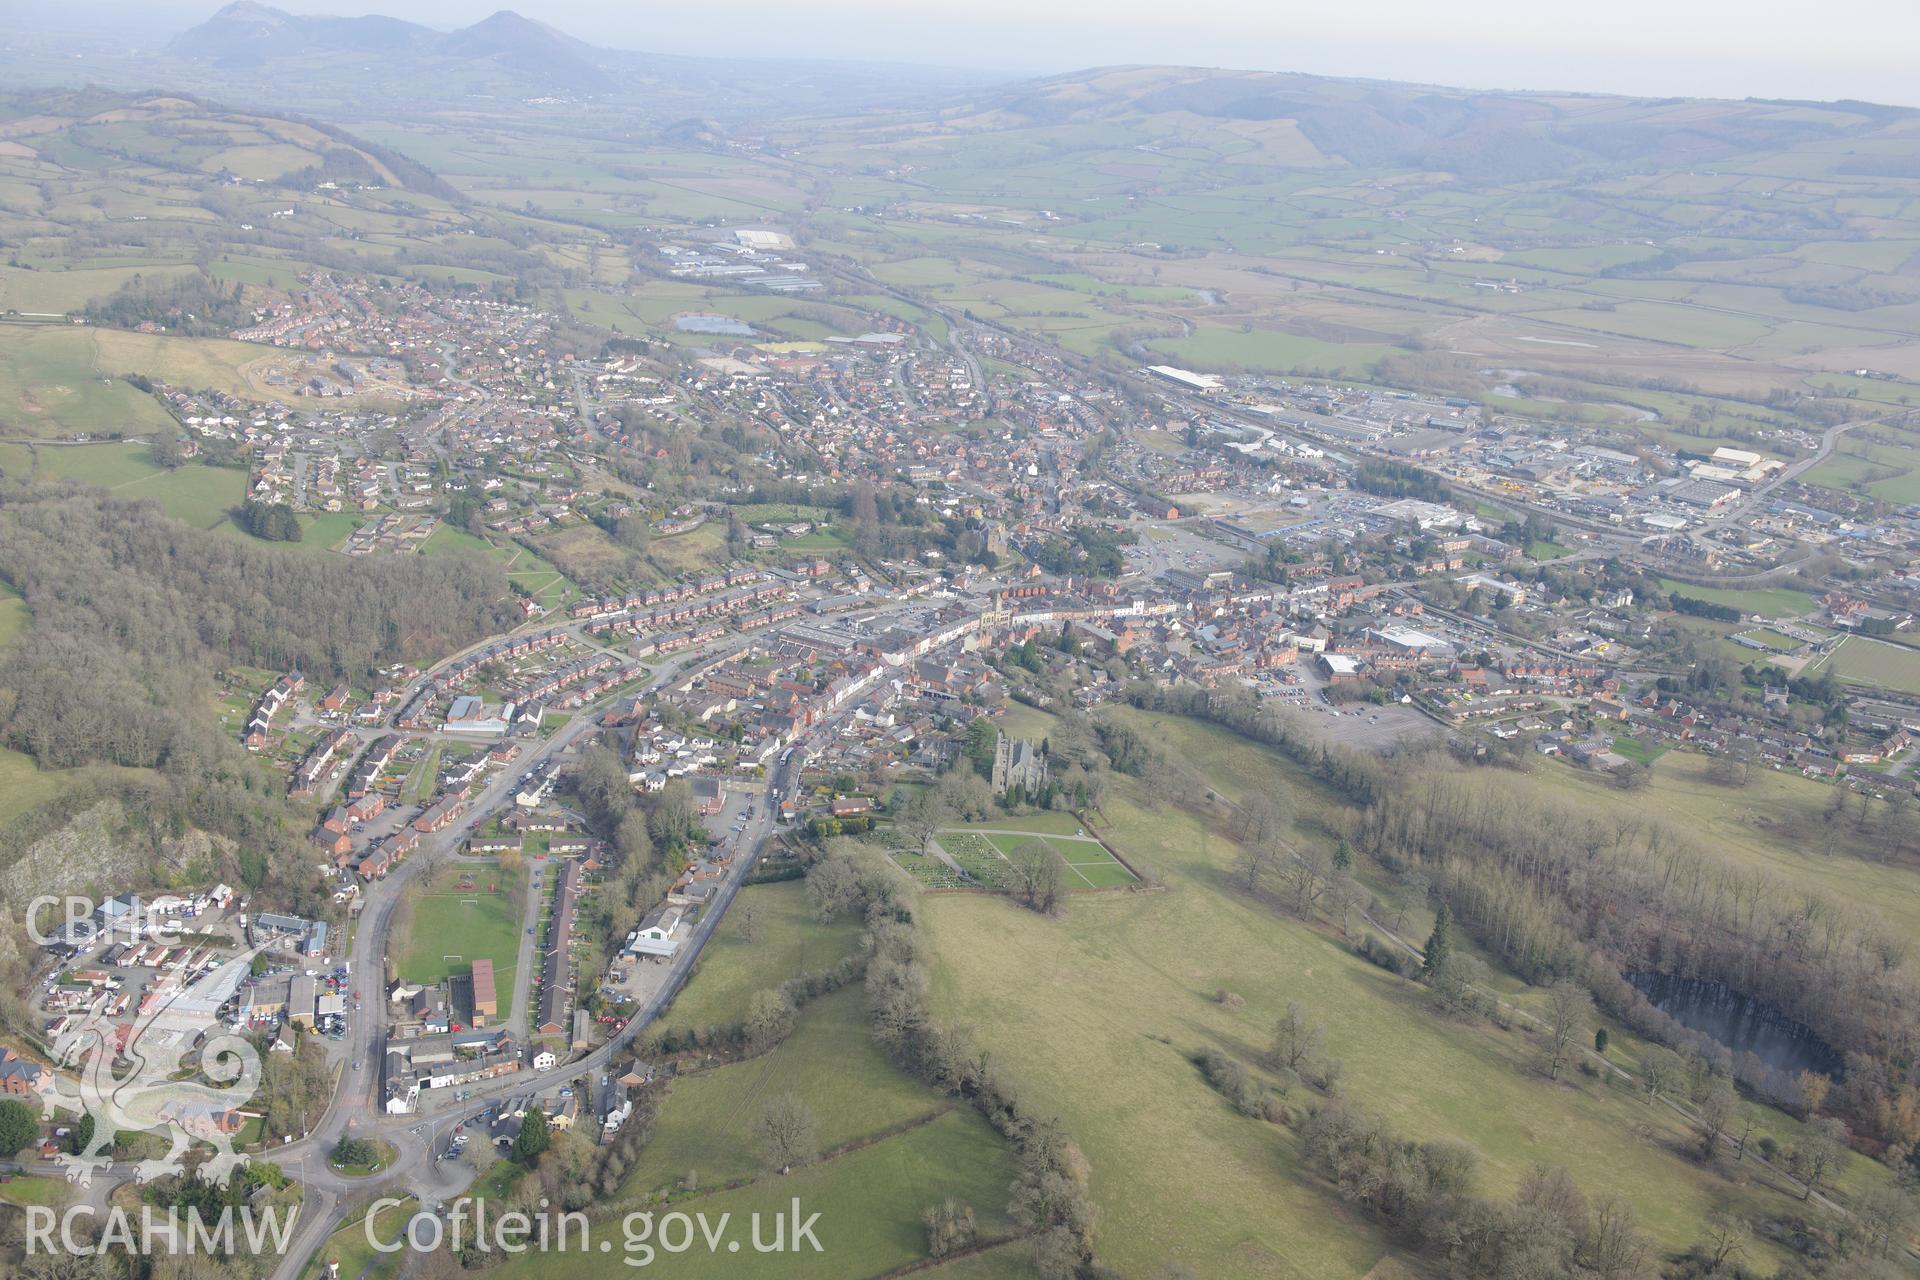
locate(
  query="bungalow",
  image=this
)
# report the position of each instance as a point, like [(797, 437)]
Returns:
[(849, 806)]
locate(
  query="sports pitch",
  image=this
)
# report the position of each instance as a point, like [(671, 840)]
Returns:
[(985, 854)]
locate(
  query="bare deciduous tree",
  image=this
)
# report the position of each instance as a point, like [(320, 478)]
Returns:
[(1659, 1069), (1038, 874), (1252, 866), (1296, 1037), (1818, 1153), (1568, 1009), (1614, 1248), (1306, 877), (924, 815), (1887, 1216), (786, 1132), (1726, 1239), (1718, 1111)]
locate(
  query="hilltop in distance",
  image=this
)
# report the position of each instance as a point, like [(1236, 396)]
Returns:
[(250, 36)]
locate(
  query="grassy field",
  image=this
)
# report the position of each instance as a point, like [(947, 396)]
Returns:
[(1865, 660), (319, 533), (70, 290), (830, 1062), (33, 1190), (1637, 751), (691, 552), (869, 1200), (1010, 1261), (24, 785), (55, 383), (1236, 767), (893, 1148), (1773, 602), (1087, 998), (201, 363), (1023, 721), (1122, 970), (111, 466), (792, 941), (448, 929), (446, 538), (200, 496), (324, 532)]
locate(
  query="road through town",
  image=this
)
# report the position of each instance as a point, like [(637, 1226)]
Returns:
[(418, 1139)]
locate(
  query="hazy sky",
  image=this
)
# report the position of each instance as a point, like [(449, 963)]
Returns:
[(1866, 49)]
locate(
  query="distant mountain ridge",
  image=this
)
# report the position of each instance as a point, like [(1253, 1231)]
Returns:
[(339, 66), (1477, 134), (535, 56), (335, 67)]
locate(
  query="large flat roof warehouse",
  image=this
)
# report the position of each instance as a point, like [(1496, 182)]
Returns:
[(1425, 514), (762, 238), (1182, 377), (1410, 639)]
